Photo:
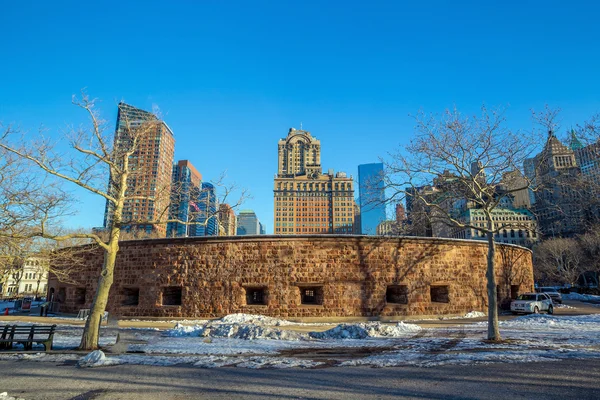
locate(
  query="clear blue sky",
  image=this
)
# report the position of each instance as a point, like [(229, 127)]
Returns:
[(231, 77)]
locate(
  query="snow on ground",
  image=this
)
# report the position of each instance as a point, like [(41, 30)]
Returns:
[(367, 330), (474, 314), (470, 314), (99, 359), (251, 342), (566, 306), (6, 396), (581, 297), (526, 339)]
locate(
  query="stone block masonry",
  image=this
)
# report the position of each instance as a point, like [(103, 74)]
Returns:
[(298, 277)]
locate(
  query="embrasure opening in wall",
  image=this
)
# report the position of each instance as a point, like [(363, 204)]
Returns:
[(440, 294), (256, 296), (131, 296), (397, 294), (311, 295), (171, 296)]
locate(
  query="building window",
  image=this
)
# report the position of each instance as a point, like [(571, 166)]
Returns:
[(397, 294), (256, 296), (311, 295), (80, 295), (171, 296), (131, 297), (439, 294)]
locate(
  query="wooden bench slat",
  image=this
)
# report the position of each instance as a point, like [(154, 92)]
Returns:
[(10, 331)]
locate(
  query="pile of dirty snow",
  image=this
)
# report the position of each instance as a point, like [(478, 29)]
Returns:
[(253, 319), (185, 330), (96, 358), (474, 314), (248, 332), (366, 330)]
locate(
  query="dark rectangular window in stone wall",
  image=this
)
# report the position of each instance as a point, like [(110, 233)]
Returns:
[(171, 296), (80, 295), (440, 294), (397, 294), (256, 296), (131, 296), (311, 295)]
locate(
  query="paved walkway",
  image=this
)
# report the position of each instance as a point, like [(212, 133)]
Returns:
[(39, 380)]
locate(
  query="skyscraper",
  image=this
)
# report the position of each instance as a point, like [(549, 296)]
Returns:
[(247, 223), (206, 216), (372, 197), (150, 169), (185, 193), (306, 200), (227, 220), (559, 208)]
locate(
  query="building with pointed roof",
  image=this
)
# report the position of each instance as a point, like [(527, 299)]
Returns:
[(558, 202), (306, 200)]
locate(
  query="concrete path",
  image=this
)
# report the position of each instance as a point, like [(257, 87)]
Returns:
[(552, 380)]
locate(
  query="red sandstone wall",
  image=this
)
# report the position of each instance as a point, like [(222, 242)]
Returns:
[(353, 272)]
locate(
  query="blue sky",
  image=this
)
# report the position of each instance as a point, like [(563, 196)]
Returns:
[(231, 77)]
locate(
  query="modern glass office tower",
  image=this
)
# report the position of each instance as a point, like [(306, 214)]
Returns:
[(371, 197), (207, 213), (248, 223), (150, 166), (185, 192)]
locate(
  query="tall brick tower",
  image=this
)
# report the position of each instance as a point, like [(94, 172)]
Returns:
[(305, 199), (151, 167)]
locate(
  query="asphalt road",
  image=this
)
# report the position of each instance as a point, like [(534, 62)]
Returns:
[(573, 379)]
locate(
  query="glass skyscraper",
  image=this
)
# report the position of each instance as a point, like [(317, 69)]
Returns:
[(207, 214), (248, 223), (185, 189), (371, 197)]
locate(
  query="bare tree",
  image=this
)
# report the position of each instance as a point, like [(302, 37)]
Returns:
[(95, 154), (468, 160), (559, 261), (512, 270)]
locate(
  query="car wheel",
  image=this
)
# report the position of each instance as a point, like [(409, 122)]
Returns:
[(536, 310), (550, 310)]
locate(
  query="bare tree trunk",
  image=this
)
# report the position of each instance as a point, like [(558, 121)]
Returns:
[(493, 330), (90, 337)]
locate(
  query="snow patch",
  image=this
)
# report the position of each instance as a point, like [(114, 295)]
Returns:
[(97, 358), (365, 330), (254, 319), (474, 314), (581, 297), (248, 332), (5, 396)]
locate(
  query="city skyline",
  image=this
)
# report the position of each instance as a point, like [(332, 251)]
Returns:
[(352, 77)]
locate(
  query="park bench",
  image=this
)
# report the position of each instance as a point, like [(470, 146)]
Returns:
[(27, 336)]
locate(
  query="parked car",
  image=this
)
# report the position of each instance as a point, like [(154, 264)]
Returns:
[(535, 303), (552, 292)]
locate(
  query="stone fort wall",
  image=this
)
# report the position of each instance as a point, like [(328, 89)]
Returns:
[(299, 277)]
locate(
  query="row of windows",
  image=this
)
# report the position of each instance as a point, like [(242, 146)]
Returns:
[(395, 294), (169, 296)]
